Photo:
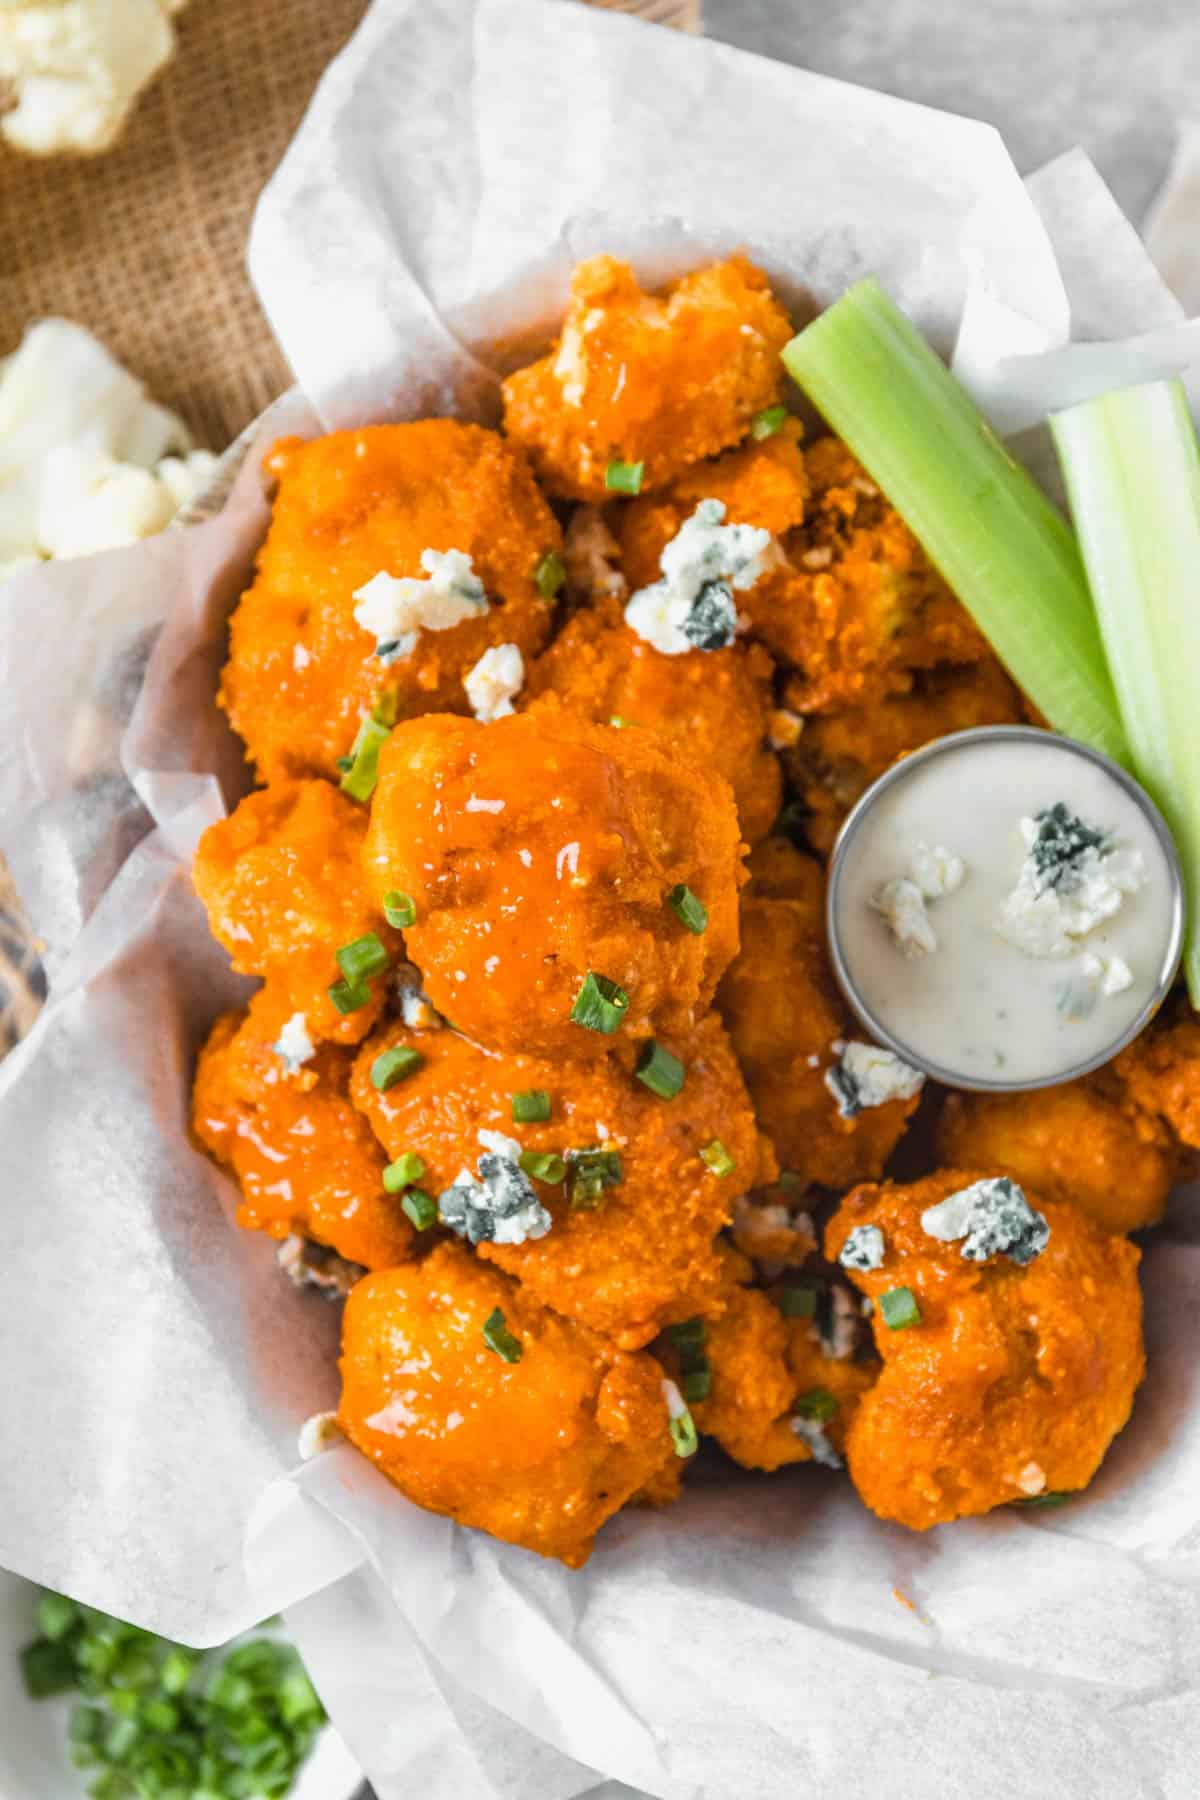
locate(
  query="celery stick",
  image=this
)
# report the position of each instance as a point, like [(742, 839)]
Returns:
[(983, 520), (1133, 475)]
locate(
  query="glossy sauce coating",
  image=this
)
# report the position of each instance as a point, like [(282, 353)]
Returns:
[(1014, 1382), (307, 1162), (538, 1452), (302, 672), (540, 848), (646, 1255)]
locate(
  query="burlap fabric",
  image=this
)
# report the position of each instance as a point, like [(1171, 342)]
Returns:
[(145, 245)]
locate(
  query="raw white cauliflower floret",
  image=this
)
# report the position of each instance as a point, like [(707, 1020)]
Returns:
[(75, 68)]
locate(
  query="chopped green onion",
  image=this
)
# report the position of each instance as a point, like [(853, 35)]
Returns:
[(688, 1335), (420, 1208), (623, 724), (499, 1338), (1133, 476), (817, 1403), (360, 778), (399, 909), (600, 1004), (696, 1384), (550, 574), (688, 909), (661, 1072), (624, 477), (349, 997), (1051, 1499), (592, 1171), (716, 1157), (680, 1423), (543, 1165), (531, 1106), (998, 541), (363, 958), (899, 1308), (403, 1172), (796, 1302), (391, 1066), (766, 423)]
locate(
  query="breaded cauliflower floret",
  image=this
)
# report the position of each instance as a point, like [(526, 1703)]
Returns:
[(711, 706), (839, 754), (282, 882), (1160, 1079), (1022, 1366), (303, 670), (784, 1016), (538, 849), (537, 1443), (634, 378), (635, 1253), (778, 871), (1070, 1143), (276, 1110)]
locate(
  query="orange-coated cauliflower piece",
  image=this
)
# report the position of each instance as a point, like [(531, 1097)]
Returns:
[(540, 849), (307, 1162), (538, 1442), (1018, 1373), (711, 706), (282, 882), (1160, 1078), (784, 1016), (1070, 1143), (302, 671), (778, 871), (634, 378), (627, 1257)]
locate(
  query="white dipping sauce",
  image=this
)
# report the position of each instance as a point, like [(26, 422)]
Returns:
[(977, 1007)]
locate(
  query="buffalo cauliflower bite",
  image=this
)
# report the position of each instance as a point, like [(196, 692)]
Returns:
[(711, 706), (281, 880), (839, 754), (637, 379), (537, 1442), (275, 1109), (1023, 1363), (540, 851), (784, 1015), (1070, 1143), (449, 519), (778, 871), (624, 1257), (1160, 1080)]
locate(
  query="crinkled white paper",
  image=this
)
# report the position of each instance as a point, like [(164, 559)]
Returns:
[(458, 158)]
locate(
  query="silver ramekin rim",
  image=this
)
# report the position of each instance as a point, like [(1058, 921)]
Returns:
[(899, 771)]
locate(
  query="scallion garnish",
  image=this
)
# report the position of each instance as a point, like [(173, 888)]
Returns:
[(680, 1422), (661, 1072), (363, 958), (360, 778), (818, 1403), (696, 1384), (796, 1302), (1000, 544), (531, 1106), (349, 996), (1133, 476), (600, 1004), (688, 1334), (499, 1338), (899, 1308), (391, 1066), (624, 477), (403, 1172), (543, 1165), (621, 723), (766, 423), (550, 574), (688, 909), (399, 909), (420, 1208), (716, 1157), (1051, 1499), (590, 1172)]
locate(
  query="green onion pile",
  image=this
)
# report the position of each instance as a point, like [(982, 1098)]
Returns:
[(159, 1722)]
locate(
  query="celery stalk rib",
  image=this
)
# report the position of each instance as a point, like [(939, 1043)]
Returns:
[(982, 519), (1133, 476)]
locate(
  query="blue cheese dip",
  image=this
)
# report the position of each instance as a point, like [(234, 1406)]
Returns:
[(1005, 908)]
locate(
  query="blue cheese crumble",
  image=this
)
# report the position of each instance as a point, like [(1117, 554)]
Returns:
[(703, 566), (866, 1076), (991, 1218), (396, 608), (1073, 878), (294, 1047), (864, 1249), (495, 681), (932, 874), (499, 1206)]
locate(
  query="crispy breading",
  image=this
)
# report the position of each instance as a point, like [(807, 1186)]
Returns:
[(1160, 1076)]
